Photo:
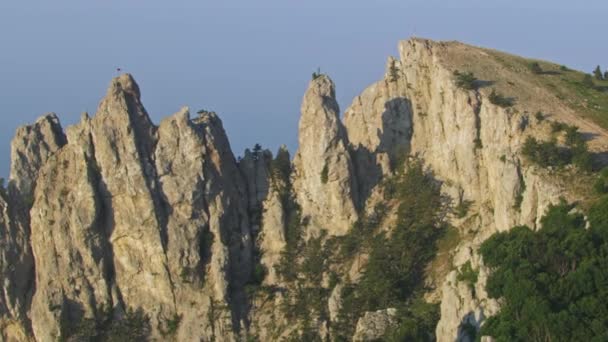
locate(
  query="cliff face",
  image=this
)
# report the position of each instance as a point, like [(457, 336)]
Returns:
[(128, 216), (119, 220)]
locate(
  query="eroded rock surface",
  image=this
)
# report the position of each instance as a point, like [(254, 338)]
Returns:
[(324, 180), (118, 215)]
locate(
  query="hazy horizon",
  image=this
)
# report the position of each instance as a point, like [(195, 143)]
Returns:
[(251, 62)]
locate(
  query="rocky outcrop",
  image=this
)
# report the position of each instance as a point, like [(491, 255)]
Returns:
[(373, 325), (69, 243), (471, 145), (324, 178), (30, 149), (128, 216), (209, 244), (119, 216), (379, 126), (255, 169), (15, 272)]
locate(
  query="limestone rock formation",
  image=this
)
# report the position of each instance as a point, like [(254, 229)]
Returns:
[(15, 272), (255, 169), (30, 149), (379, 126), (128, 216), (373, 325), (324, 179), (119, 221)]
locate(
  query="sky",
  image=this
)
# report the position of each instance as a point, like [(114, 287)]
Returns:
[(251, 61)]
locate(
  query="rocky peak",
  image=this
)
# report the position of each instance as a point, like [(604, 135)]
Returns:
[(30, 148), (127, 217), (122, 112), (324, 180), (255, 169)]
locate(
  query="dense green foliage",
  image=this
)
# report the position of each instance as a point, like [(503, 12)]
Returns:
[(394, 273), (549, 153), (465, 80), (417, 322), (587, 81), (467, 274), (601, 184), (598, 73), (500, 100), (133, 327), (546, 153), (553, 282)]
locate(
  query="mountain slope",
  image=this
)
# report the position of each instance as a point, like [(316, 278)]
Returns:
[(119, 227)]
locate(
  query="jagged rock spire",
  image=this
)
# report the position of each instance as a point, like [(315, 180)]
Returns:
[(324, 176)]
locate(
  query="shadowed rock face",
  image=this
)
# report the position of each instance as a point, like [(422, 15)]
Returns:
[(32, 146), (118, 215), (379, 126)]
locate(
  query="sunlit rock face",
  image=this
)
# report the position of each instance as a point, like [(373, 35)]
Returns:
[(117, 217)]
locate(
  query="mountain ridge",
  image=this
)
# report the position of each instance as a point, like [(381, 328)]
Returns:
[(118, 219)]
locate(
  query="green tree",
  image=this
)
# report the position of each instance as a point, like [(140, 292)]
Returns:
[(465, 80), (552, 283), (601, 184), (316, 74), (588, 81), (395, 272), (499, 100), (257, 152), (598, 73)]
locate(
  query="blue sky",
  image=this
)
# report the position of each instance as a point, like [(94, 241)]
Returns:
[(251, 60)]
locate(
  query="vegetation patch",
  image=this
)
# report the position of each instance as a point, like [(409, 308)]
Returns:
[(552, 283), (500, 100), (134, 326), (601, 184), (394, 273), (465, 80), (461, 210), (325, 174), (550, 154), (467, 274)]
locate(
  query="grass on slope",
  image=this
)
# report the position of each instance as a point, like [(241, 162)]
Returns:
[(567, 85)]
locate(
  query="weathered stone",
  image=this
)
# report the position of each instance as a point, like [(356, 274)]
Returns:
[(30, 149), (373, 325), (324, 179), (129, 216)]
